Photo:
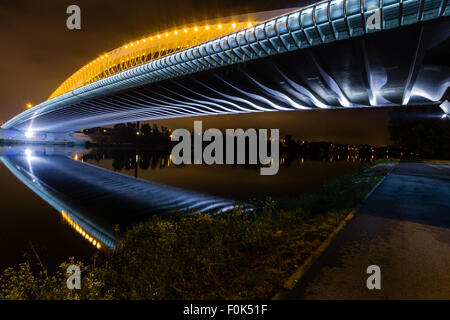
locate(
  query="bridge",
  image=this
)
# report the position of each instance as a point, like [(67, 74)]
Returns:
[(320, 56)]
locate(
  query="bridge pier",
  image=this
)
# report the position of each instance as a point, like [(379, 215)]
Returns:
[(9, 136)]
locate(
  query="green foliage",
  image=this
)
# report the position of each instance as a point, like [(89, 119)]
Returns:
[(24, 284)]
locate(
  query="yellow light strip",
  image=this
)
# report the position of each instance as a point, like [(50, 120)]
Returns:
[(145, 50), (95, 242)]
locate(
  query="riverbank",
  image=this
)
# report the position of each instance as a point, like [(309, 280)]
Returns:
[(232, 256)]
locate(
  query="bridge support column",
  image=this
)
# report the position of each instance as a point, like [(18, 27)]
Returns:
[(23, 137)]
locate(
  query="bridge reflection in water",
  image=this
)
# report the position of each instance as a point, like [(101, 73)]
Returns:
[(94, 200)]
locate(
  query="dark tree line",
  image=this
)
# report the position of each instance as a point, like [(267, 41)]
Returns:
[(134, 133), (421, 131)]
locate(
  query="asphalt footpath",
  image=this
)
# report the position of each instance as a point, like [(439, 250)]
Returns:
[(404, 229)]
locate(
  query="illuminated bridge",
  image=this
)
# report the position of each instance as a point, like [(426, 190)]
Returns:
[(327, 55)]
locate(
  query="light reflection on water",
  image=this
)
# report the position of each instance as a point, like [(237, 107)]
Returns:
[(297, 173), (93, 200)]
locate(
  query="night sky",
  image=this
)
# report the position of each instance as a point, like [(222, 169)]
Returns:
[(38, 53)]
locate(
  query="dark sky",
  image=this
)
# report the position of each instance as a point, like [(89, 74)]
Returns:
[(38, 53)]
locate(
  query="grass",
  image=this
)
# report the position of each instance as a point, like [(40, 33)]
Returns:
[(237, 255)]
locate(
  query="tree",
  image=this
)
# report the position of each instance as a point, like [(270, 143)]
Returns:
[(421, 131)]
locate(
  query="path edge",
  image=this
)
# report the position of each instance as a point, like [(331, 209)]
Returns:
[(290, 283)]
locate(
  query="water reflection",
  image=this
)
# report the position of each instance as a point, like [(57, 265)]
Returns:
[(98, 202)]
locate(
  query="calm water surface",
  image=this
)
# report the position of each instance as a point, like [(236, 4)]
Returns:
[(72, 190)]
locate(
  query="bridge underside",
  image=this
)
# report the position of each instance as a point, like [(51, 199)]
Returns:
[(403, 66)]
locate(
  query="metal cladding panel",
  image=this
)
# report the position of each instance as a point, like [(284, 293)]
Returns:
[(352, 7), (239, 53), (204, 62), (307, 19), (282, 26), (447, 9), (211, 61), (196, 52), (389, 2), (313, 36), (326, 32), (191, 66), (216, 46), (265, 44), (258, 49), (321, 13), (336, 9), (216, 58), (232, 41), (224, 43), (250, 35), (172, 60), (190, 54), (355, 24), (248, 51), (300, 39), (431, 9), (277, 44), (184, 56), (201, 63), (178, 57), (294, 21), (270, 29), (410, 11), (390, 15), (288, 42), (354, 17), (371, 4), (259, 32), (224, 57), (232, 56), (209, 48), (240, 38), (340, 29), (202, 50)]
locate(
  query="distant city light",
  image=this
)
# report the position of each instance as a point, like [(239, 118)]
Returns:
[(29, 134), (28, 152)]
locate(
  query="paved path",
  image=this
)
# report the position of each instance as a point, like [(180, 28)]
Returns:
[(404, 228)]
